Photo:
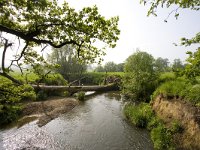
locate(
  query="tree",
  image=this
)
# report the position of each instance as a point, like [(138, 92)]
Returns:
[(140, 77), (154, 4), (139, 62), (177, 64), (120, 67), (45, 23), (161, 65), (192, 66), (110, 67), (68, 61), (99, 68)]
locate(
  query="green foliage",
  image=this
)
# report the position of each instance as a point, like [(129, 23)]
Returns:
[(193, 94), (95, 78), (54, 79), (192, 67), (99, 68), (176, 127), (42, 95), (178, 67), (172, 89), (66, 58), (81, 96), (32, 78), (110, 67), (154, 4), (179, 87), (139, 115), (10, 97), (140, 79), (142, 116), (161, 65), (166, 76), (139, 62), (44, 22), (162, 138)]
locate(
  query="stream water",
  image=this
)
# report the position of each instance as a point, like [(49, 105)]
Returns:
[(96, 124)]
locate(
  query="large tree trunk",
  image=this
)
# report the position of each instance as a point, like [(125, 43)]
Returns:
[(74, 89)]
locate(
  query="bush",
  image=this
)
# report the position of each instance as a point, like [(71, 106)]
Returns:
[(10, 97), (42, 95), (139, 115), (140, 87), (193, 94), (176, 127), (167, 76), (54, 79), (162, 138), (143, 116), (81, 96)]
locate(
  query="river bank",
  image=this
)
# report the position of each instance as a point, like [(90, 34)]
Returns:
[(95, 124), (186, 114), (45, 111)]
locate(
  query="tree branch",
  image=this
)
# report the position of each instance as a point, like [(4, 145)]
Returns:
[(31, 37), (3, 73), (21, 55)]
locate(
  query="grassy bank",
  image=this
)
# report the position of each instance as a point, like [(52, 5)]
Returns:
[(143, 116)]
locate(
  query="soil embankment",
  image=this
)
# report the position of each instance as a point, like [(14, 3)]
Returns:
[(46, 111), (188, 115)]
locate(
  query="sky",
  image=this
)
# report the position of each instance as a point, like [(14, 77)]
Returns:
[(150, 34)]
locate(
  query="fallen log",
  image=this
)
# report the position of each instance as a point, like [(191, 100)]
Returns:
[(74, 89)]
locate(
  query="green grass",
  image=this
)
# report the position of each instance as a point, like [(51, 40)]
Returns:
[(167, 76), (143, 116), (139, 115)]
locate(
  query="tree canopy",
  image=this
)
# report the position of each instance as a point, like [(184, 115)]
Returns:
[(45, 22), (67, 59), (154, 4), (139, 81)]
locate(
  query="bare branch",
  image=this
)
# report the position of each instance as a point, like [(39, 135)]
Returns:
[(21, 55)]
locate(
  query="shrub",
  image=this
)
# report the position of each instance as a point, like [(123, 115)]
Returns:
[(42, 95), (143, 116), (81, 96), (54, 79), (140, 87), (162, 138), (167, 76), (139, 115), (193, 94), (10, 97), (176, 127)]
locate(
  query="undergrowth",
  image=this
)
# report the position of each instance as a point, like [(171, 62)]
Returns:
[(142, 116)]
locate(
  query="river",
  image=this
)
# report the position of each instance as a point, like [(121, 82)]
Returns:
[(96, 124)]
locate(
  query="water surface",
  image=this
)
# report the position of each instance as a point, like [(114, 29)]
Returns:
[(96, 124)]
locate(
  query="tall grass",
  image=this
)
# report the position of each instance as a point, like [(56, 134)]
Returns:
[(143, 116)]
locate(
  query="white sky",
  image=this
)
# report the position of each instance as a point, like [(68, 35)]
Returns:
[(150, 34)]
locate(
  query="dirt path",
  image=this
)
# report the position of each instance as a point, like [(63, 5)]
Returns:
[(46, 111)]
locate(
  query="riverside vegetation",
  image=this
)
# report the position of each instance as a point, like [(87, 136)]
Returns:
[(142, 82), (145, 78)]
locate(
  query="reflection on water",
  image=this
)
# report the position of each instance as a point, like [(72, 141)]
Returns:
[(96, 124)]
